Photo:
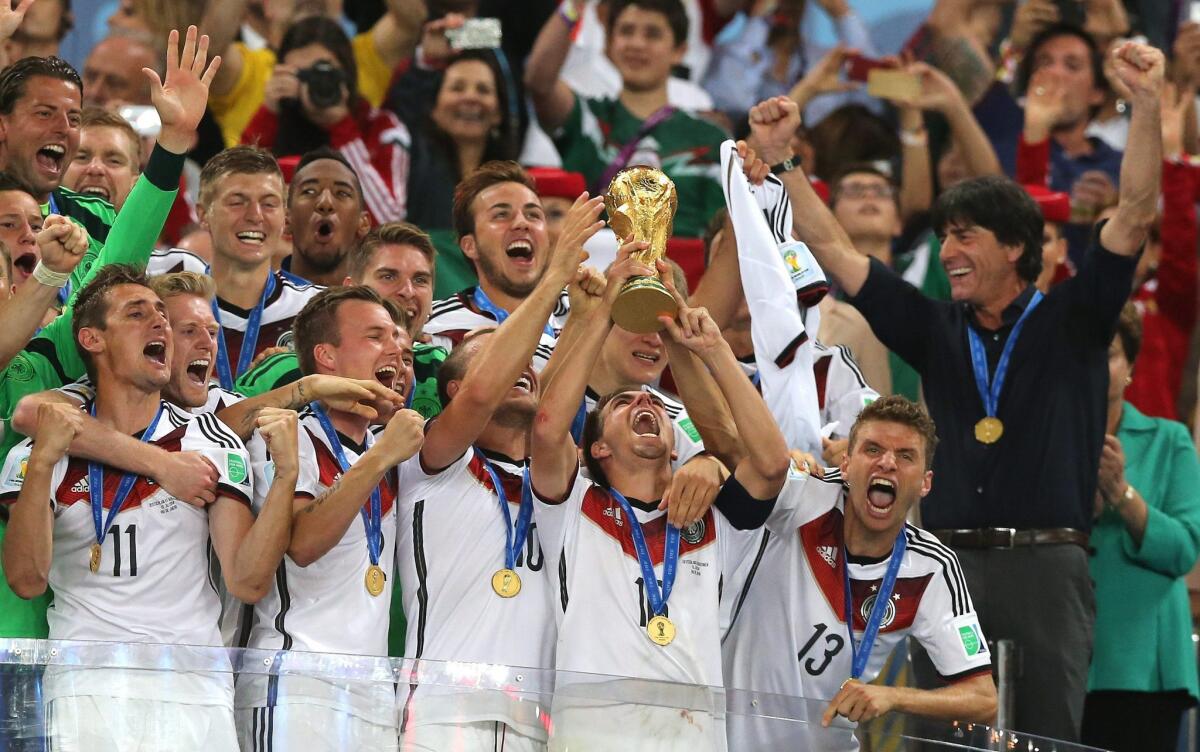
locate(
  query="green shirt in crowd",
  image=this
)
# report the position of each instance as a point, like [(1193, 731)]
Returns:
[(688, 150)]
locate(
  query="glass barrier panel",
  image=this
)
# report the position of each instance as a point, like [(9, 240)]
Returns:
[(120, 696)]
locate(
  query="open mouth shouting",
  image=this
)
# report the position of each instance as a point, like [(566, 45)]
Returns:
[(50, 159), (527, 382), (323, 230), (197, 371), (645, 422), (881, 495), (386, 375), (520, 251), (156, 352), (94, 187)]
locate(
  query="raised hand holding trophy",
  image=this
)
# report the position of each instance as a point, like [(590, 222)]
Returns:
[(641, 203)]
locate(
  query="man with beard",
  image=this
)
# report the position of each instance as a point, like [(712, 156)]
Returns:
[(502, 232), (241, 205), (473, 459), (332, 592), (146, 549), (326, 218)]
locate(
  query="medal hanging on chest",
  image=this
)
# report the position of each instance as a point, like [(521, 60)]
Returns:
[(660, 629), (989, 429), (861, 653), (101, 522), (374, 579), (506, 583)]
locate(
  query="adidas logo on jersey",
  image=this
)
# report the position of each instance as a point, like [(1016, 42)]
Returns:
[(829, 554), (81, 486)]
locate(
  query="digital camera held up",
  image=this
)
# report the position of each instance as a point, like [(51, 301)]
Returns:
[(324, 81)]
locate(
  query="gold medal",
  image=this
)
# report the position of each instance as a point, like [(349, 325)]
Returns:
[(661, 630), (506, 583), (94, 559), (989, 430), (375, 579)]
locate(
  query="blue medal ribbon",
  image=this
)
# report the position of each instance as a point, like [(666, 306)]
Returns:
[(372, 519), (990, 394), (513, 540), (96, 483), (861, 653), (485, 304), (249, 340), (658, 598)]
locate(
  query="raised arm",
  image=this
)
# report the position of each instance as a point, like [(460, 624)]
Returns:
[(553, 456), (221, 21), (552, 98), (248, 547), (340, 393), (1140, 69), (319, 524), (63, 244), (29, 539), (765, 466), (772, 124), (396, 32), (509, 350), (187, 476)]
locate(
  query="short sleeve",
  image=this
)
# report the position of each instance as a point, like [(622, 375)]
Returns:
[(948, 628), (688, 443), (803, 498), (308, 481), (12, 477), (557, 523), (415, 482), (211, 438), (82, 390)]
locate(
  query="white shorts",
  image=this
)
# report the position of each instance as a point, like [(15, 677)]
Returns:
[(88, 723), (481, 736), (312, 728)]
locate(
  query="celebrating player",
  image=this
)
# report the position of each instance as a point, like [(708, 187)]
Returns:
[(846, 557), (333, 590), (612, 544), (126, 558), (463, 563)]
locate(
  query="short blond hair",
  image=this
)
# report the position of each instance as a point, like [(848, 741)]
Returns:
[(98, 117), (183, 283)]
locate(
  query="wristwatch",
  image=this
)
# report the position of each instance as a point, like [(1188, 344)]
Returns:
[(786, 165)]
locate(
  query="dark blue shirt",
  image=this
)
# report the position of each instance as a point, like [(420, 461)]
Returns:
[(1042, 471)]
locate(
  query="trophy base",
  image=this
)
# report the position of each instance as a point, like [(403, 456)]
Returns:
[(639, 304)]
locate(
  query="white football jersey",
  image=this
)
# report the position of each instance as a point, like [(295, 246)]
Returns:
[(603, 611), (788, 634), (153, 583), (687, 439), (175, 260), (324, 607), (275, 328), (454, 317), (451, 541)]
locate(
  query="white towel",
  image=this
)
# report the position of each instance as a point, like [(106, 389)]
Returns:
[(762, 221)]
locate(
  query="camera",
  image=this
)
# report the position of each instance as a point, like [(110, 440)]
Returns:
[(324, 81)]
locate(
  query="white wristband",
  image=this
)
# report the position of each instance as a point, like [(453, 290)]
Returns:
[(48, 277)]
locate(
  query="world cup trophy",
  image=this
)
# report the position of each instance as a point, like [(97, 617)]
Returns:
[(641, 203)]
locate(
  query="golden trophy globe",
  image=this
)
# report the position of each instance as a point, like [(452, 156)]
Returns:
[(641, 204)]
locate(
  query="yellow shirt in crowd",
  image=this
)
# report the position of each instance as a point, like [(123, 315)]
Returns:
[(235, 109)]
